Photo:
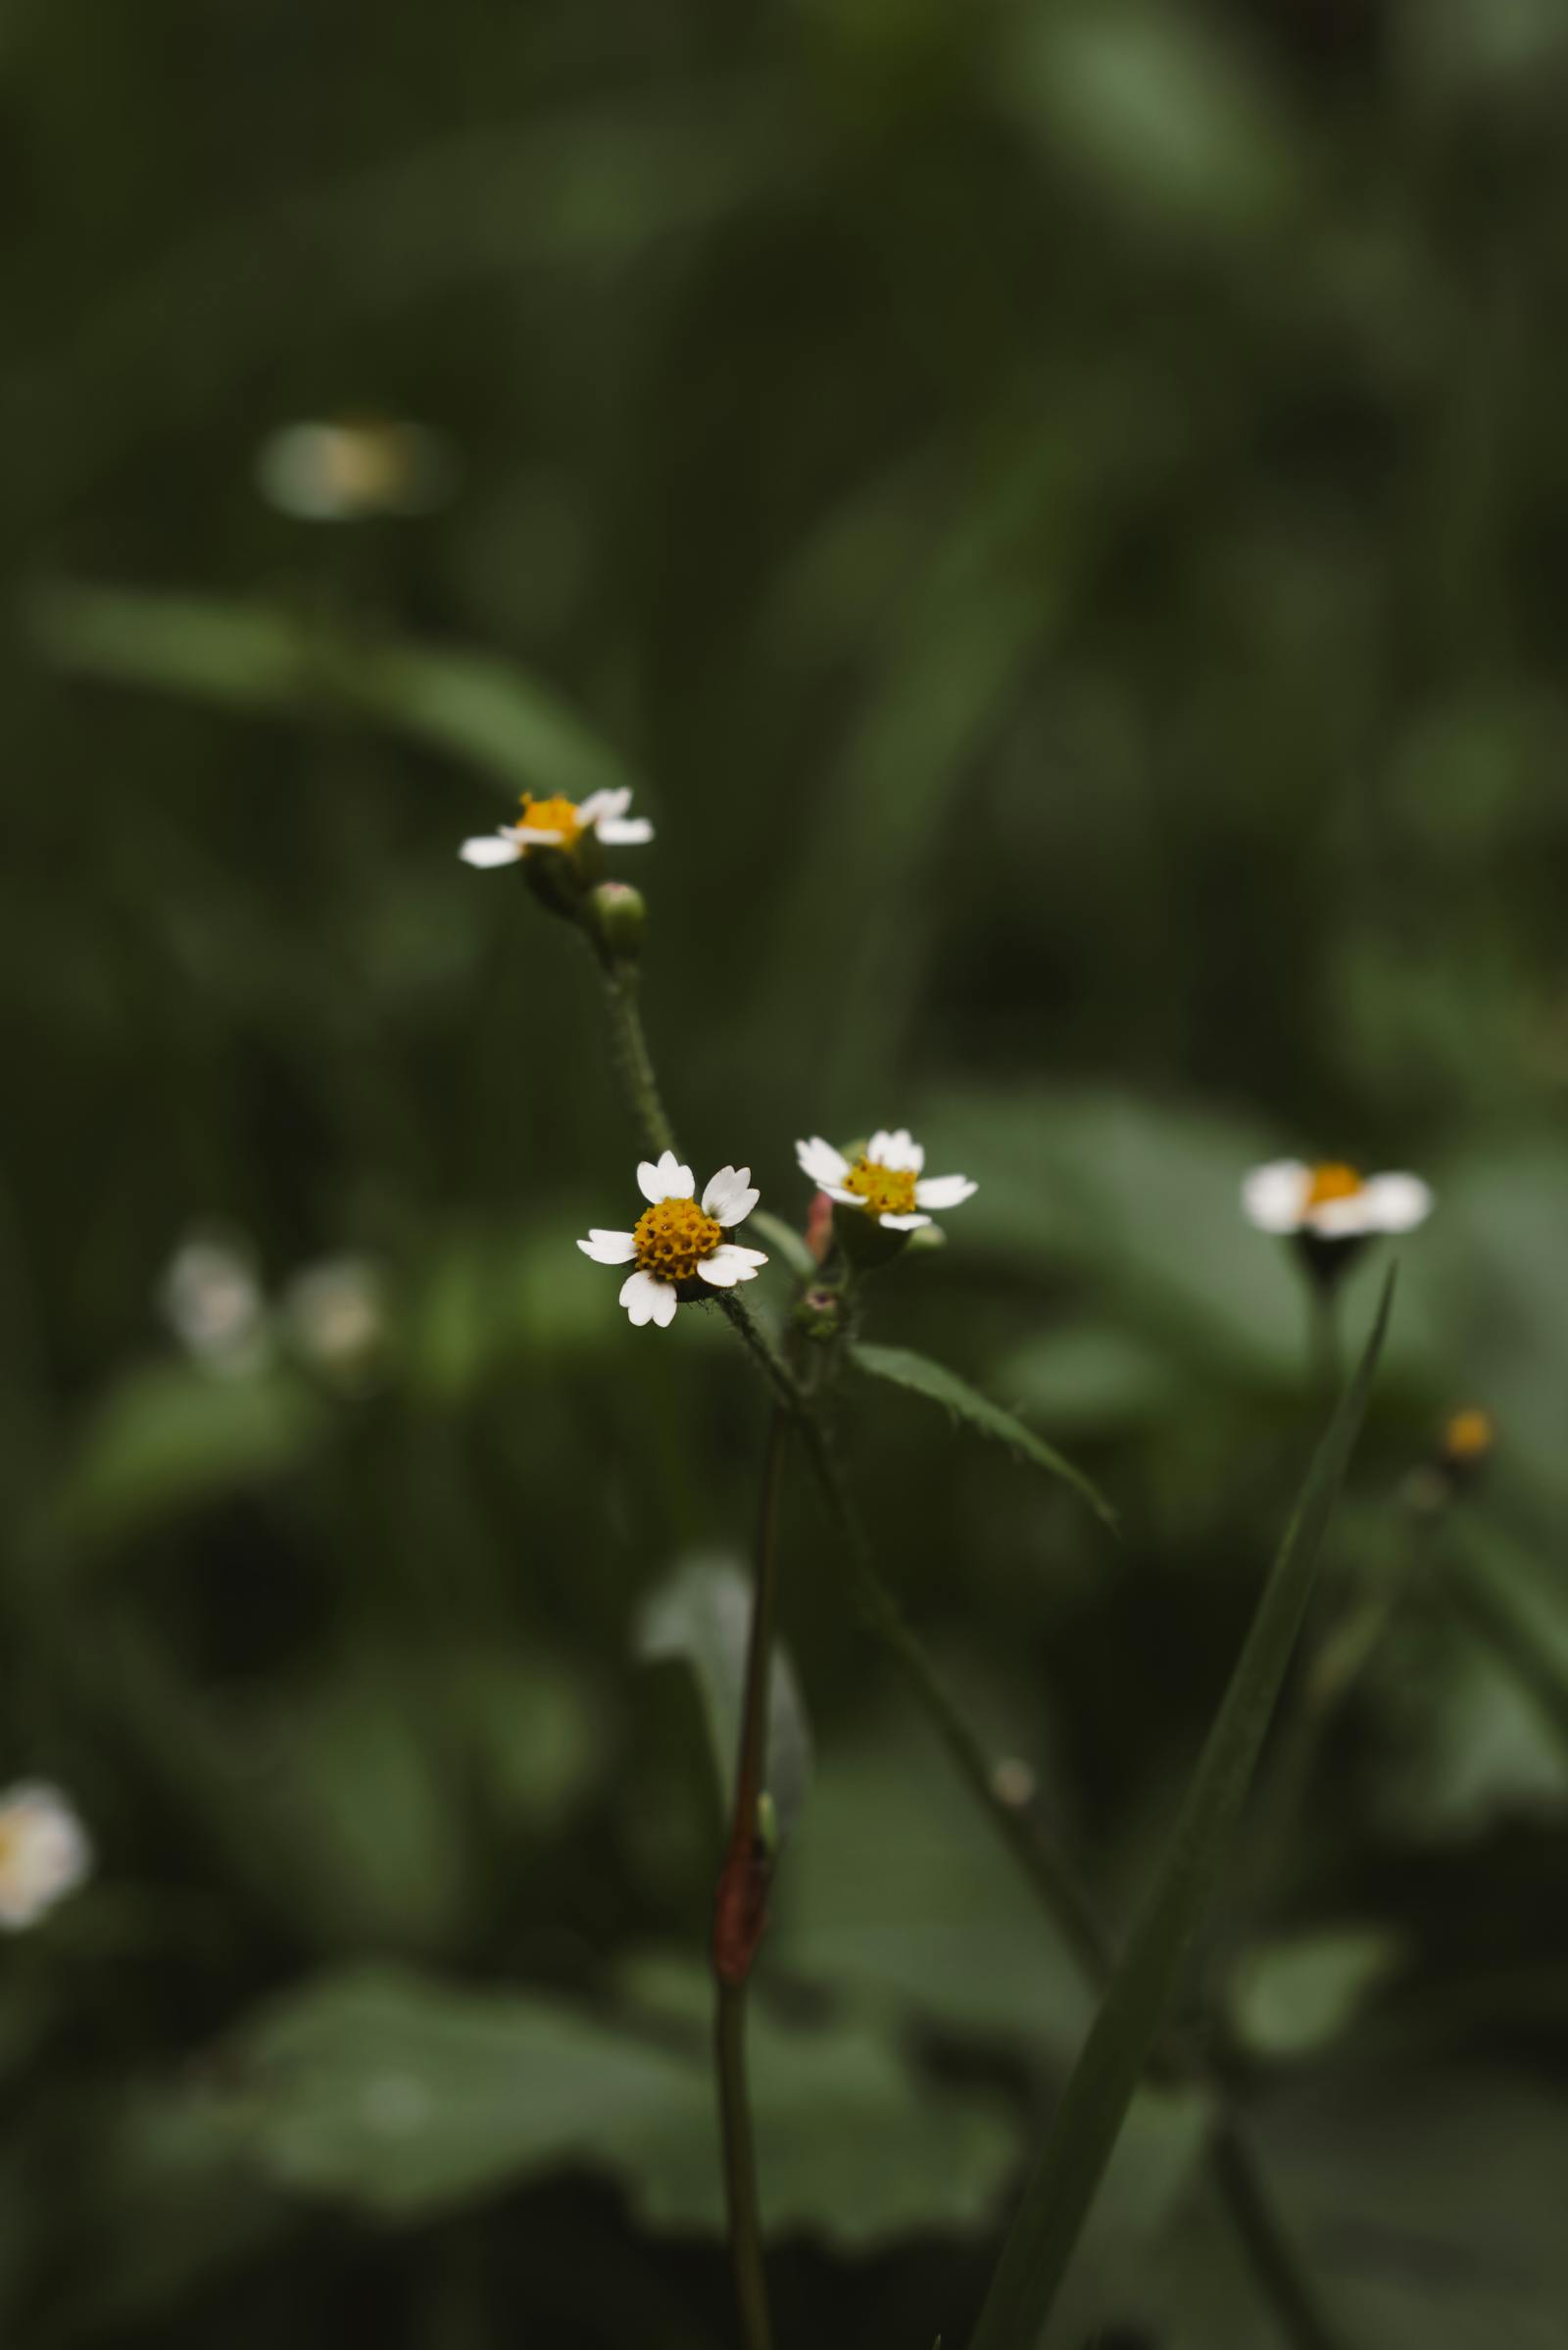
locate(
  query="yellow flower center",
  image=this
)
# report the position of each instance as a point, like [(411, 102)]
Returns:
[(1469, 1435), (1332, 1179), (550, 816), (886, 1191), (673, 1238)]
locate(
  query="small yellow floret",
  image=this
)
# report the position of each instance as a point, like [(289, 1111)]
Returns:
[(1332, 1179), (673, 1238), (886, 1191), (550, 816), (1468, 1435)]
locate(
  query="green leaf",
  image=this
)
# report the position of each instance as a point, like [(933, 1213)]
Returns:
[(1062, 2188), (405, 2097), (939, 1385), (170, 1437), (260, 657), (1298, 1995), (703, 1614), (1523, 1622)]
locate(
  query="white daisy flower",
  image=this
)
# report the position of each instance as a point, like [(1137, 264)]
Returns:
[(559, 823), (44, 1852), (1332, 1201), (212, 1300), (885, 1179), (345, 469), (676, 1240)]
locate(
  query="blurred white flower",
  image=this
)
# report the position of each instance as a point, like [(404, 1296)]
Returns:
[(337, 1315), (44, 1852), (885, 1179), (559, 823), (1332, 1201), (676, 1241), (345, 469), (212, 1300)]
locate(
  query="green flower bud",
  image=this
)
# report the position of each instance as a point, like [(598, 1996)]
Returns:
[(617, 917)]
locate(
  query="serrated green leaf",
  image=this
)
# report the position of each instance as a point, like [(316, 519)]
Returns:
[(264, 658), (406, 2097), (1062, 2188), (923, 1377), (703, 1614)]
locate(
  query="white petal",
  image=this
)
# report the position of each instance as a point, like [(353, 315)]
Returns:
[(731, 1196), (647, 1300), (1274, 1197), (539, 836), (727, 1265), (720, 1188), (821, 1162), (749, 1256), (663, 1178), (602, 804), (877, 1149), (609, 1247), (625, 832), (904, 1152), (490, 849), (944, 1190), (1344, 1219), (836, 1191), (904, 1223), (1397, 1203), (44, 1851)]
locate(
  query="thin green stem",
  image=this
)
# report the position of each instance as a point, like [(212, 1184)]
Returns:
[(1061, 1891), (1323, 1339), (628, 1047), (739, 1915), (740, 2168)]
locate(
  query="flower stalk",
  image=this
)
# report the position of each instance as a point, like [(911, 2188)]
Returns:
[(740, 1915)]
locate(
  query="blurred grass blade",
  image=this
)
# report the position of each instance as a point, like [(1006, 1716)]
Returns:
[(923, 1377), (264, 658), (1062, 2188)]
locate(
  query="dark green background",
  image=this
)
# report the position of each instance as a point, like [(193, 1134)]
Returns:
[(1064, 512)]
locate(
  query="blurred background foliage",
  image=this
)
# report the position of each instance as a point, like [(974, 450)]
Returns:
[(1061, 508)]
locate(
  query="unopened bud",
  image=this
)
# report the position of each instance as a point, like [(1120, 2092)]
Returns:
[(618, 917)]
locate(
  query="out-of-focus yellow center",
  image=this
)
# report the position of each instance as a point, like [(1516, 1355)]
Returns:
[(1332, 1179), (886, 1191), (550, 816), (365, 463), (673, 1238), (1468, 1435)]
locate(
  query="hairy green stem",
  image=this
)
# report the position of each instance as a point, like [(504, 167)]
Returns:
[(1062, 1893)]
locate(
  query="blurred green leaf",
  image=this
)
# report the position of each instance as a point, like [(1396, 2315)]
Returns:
[(942, 1930), (1296, 1995), (702, 1615), (170, 1437), (1062, 2188), (901, 1368), (407, 2098), (786, 1241), (265, 658), (1520, 1614)]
